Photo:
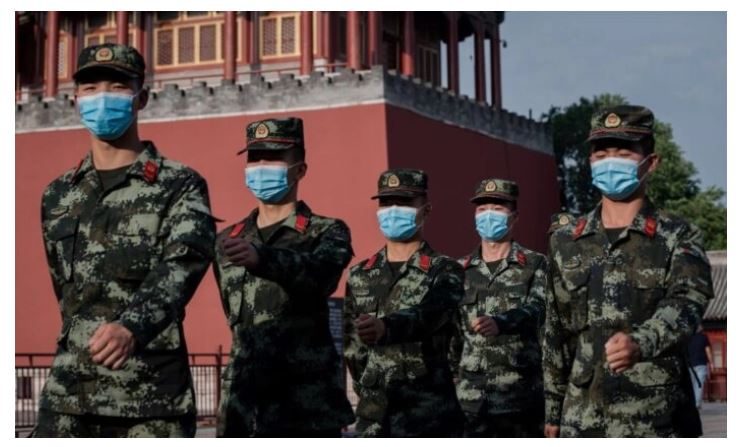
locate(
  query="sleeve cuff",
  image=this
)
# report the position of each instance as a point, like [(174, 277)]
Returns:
[(646, 350), (553, 411)]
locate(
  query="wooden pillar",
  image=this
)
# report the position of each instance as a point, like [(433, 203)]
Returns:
[(453, 62), (496, 69), (408, 55), (139, 33), (353, 40), (230, 46), (307, 53), (18, 60), (253, 39), (480, 68), (52, 54), (375, 38), (122, 25)]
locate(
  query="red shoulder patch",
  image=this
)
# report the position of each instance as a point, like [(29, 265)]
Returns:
[(521, 258), (236, 229), (651, 225), (371, 262), (465, 261), (150, 171), (579, 228), (301, 223), (424, 262)]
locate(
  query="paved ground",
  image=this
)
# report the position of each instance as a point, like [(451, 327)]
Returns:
[(713, 422)]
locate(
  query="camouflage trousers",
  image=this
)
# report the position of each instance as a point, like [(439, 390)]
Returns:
[(409, 410), (526, 424), (61, 425)]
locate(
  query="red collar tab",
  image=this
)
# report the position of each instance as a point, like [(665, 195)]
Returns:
[(150, 171), (424, 262), (236, 229), (522, 260), (465, 262), (370, 262), (301, 223), (650, 226), (579, 228), (78, 168)]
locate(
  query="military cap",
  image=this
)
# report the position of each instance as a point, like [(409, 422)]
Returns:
[(496, 188), (122, 58), (401, 183), (274, 134), (625, 122)]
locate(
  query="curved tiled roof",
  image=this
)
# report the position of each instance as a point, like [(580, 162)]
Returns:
[(717, 308)]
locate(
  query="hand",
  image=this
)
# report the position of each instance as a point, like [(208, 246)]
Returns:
[(240, 252), (111, 345), (621, 352), (551, 431), (485, 326), (369, 328)]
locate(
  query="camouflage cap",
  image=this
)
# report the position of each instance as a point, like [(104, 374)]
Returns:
[(630, 123), (402, 183), (274, 134), (496, 188), (122, 58)]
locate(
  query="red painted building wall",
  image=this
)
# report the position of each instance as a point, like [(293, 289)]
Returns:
[(347, 148)]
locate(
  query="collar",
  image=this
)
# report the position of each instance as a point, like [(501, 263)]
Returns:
[(420, 259), (516, 255), (645, 221), (298, 220), (146, 166)]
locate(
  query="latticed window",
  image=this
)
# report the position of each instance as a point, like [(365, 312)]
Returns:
[(101, 27), (62, 56), (191, 38), (280, 34)]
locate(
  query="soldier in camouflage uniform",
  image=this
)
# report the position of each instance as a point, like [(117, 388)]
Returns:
[(276, 270), (397, 321), (128, 236), (500, 384), (630, 284)]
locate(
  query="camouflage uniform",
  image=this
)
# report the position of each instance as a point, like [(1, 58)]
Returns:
[(500, 384), (134, 255), (652, 283), (404, 382), (285, 377)]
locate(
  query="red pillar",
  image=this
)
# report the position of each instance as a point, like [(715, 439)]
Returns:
[(139, 32), (230, 46), (122, 31), (478, 54), (307, 56), (375, 38), (51, 61), (408, 55), (453, 72), (353, 40), (496, 69), (252, 39), (330, 29)]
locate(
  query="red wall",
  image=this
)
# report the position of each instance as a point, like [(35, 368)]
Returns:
[(347, 148), (456, 160)]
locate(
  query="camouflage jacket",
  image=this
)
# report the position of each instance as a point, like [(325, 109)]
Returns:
[(285, 372), (417, 305), (653, 283), (503, 371), (133, 254)]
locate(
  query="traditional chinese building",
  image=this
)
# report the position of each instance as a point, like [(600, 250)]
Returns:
[(376, 90), (715, 326)]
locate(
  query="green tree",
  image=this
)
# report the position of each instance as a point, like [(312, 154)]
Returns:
[(673, 186)]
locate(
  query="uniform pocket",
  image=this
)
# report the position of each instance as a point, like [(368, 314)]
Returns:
[(573, 299), (648, 286), (62, 233)]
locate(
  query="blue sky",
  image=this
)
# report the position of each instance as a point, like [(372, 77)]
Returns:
[(672, 62)]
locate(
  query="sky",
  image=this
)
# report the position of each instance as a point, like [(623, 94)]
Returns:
[(672, 62)]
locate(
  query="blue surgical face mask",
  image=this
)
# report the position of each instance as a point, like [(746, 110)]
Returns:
[(617, 178), (107, 115), (269, 183), (492, 225), (398, 223)]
